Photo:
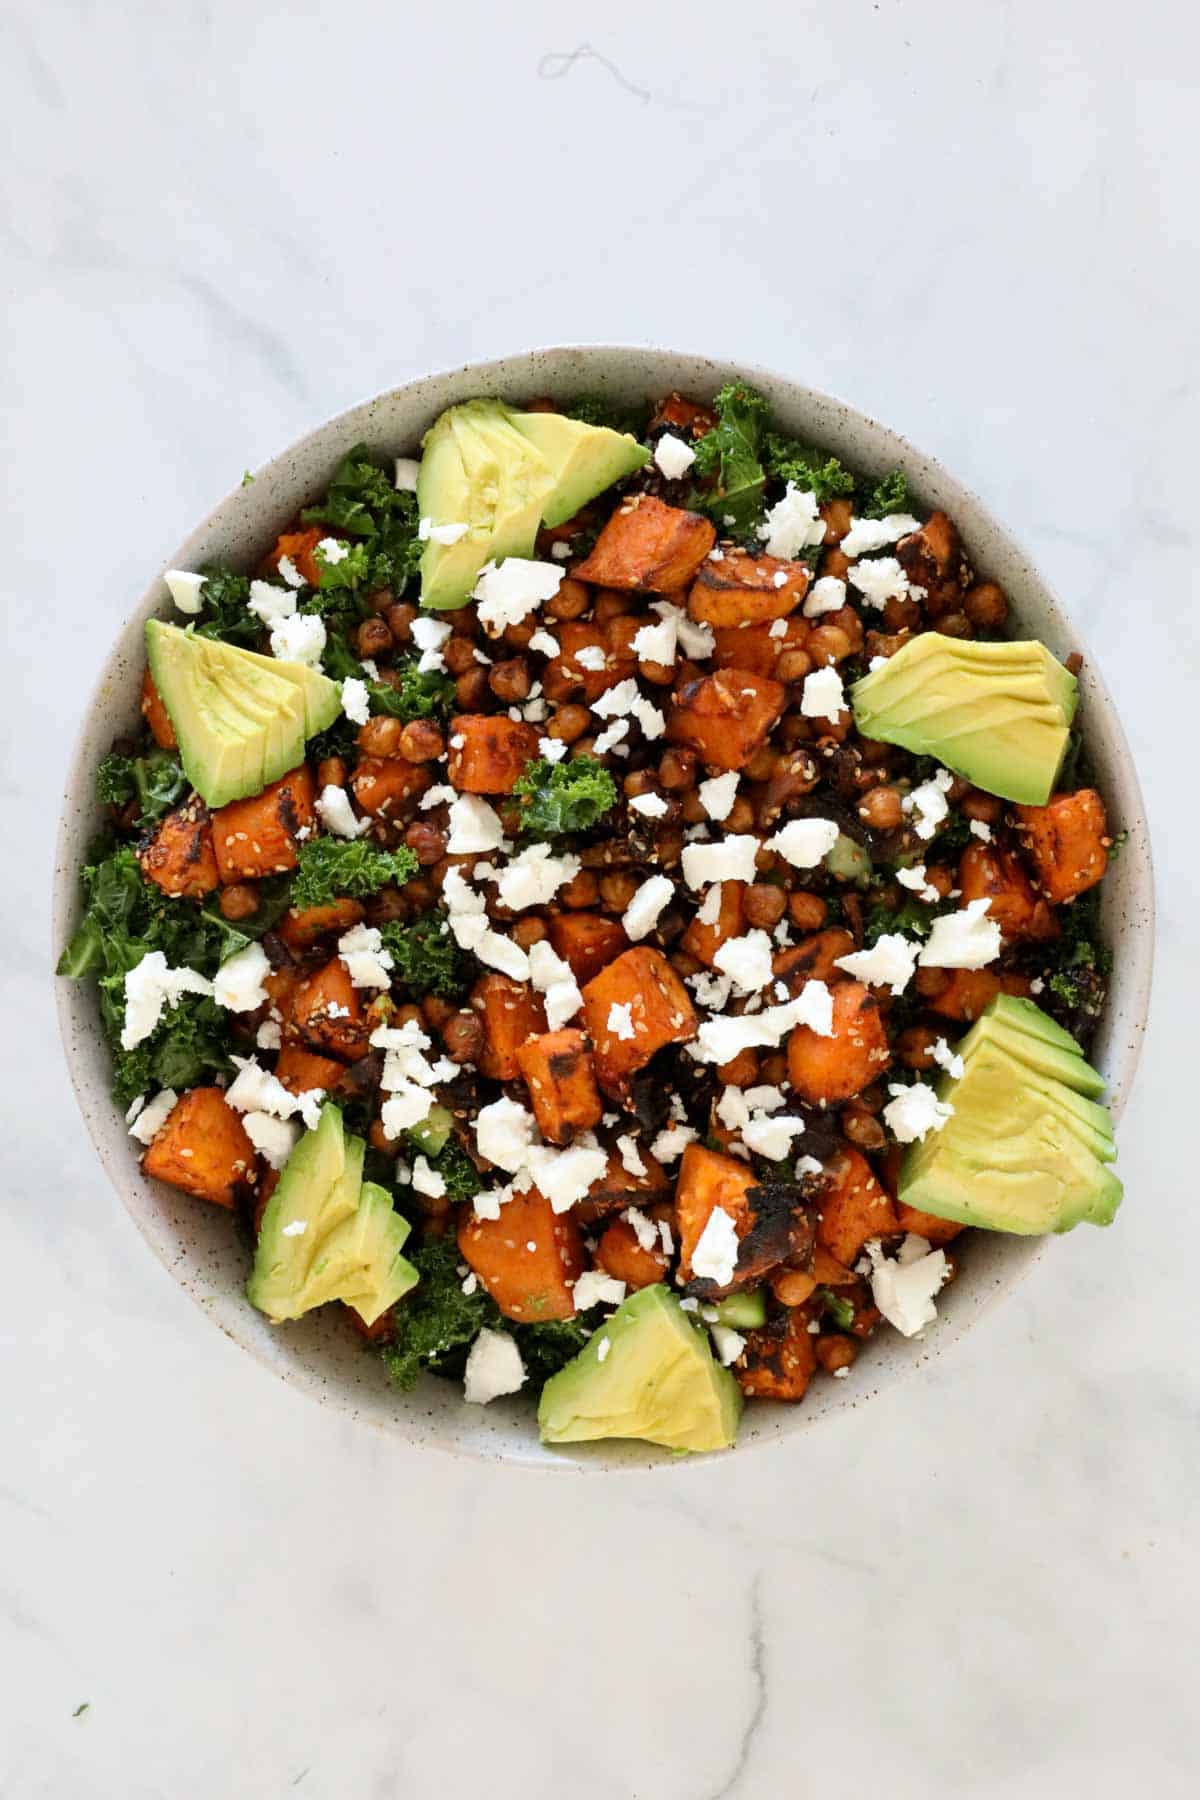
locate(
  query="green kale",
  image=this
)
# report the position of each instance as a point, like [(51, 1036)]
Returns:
[(890, 495), (115, 785), (347, 868), (912, 919), (436, 1318), (425, 957), (811, 471), (363, 502), (225, 612), (547, 1348), (156, 781), (349, 572), (462, 1178), (1078, 968), (593, 409), (419, 694), (564, 796), (730, 453)]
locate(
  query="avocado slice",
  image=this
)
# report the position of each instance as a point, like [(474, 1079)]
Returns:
[(997, 713), (241, 719), (361, 1259), (657, 1380), (586, 459), (283, 1257)]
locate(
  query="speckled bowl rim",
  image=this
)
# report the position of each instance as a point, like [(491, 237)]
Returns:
[(198, 1245)]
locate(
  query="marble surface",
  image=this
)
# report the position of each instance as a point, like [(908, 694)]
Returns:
[(221, 223)]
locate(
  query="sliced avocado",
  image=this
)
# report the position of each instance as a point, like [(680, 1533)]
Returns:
[(646, 1373), (477, 470), (746, 1311), (1011, 1011), (430, 1134), (1067, 1068), (284, 1256), (586, 459), (322, 697), (997, 713), (239, 718), (334, 1269), (382, 1235)]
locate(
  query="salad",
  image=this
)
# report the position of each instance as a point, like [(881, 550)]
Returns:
[(606, 905)]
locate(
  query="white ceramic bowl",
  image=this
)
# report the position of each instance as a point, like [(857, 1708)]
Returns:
[(198, 1243)]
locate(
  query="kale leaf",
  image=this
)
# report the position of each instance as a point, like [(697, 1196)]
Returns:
[(889, 495), (548, 1347), (363, 502), (812, 471), (155, 780), (730, 453), (347, 868), (225, 613), (410, 693), (436, 1318), (593, 409), (912, 918), (564, 796), (425, 957)]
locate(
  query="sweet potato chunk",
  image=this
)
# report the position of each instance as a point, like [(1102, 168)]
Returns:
[(814, 958), (300, 929), (494, 753), (618, 1188), (932, 558), (527, 1284), (742, 590), (328, 1012), (388, 787), (620, 1254), (703, 941), (725, 717), (301, 1071), (203, 1149), (936, 1231), (648, 546), (683, 417), (512, 1013), (971, 991), (660, 1012), (557, 1067), (989, 872), (1066, 841), (854, 1207), (300, 549), (567, 676), (780, 1358), (180, 858), (757, 647), (708, 1180), (772, 1223), (156, 715), (257, 837), (826, 1070), (586, 941)]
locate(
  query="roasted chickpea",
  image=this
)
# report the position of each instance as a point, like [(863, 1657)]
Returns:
[(462, 1035), (677, 770), (864, 1132), (978, 805), (426, 842), (956, 625), (528, 930), (571, 601), (567, 723), (379, 599), (914, 1047), (740, 816), (740, 1071), (373, 638), (400, 616), (458, 654), (986, 606), (765, 904), (882, 809), (511, 680), (692, 809), (240, 901), (380, 1141), (901, 614), (684, 965), (464, 621), (773, 1071), (331, 772), (582, 891), (828, 645), (834, 1351), (807, 912), (611, 604), (617, 889), (471, 689), (929, 983), (657, 674), (381, 737), (793, 665), (940, 877), (421, 741), (517, 636)]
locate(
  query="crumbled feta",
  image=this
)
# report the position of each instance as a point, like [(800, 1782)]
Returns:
[(651, 806), (300, 639), (441, 795), (149, 986), (553, 978), (493, 1368), (722, 1038), (696, 639), (509, 592), (543, 643), (631, 1160), (611, 737), (591, 657), (552, 750), (709, 910), (426, 1180), (980, 829), (946, 1059), (564, 1176), (238, 983), (642, 913), (333, 551), (729, 1344), (150, 1119), (657, 643), (533, 877), (771, 1137), (470, 1283), (916, 881), (595, 1288), (429, 533), (828, 594), (644, 1229), (369, 964), (407, 471), (962, 940), (914, 1111), (747, 960), (337, 815), (270, 603), (824, 696), (929, 803), (670, 1144), (474, 826), (185, 589), (793, 524), (882, 579), (356, 701), (273, 1138), (718, 794), (730, 860), (889, 962), (903, 1289), (867, 535), (269, 1035), (625, 698), (504, 1133), (620, 1021), (673, 456), (429, 635), (716, 1253), (561, 551), (778, 629), (804, 843)]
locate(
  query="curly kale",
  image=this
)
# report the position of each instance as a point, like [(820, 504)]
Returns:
[(547, 1348), (564, 796), (593, 409), (730, 453), (155, 780), (890, 495), (912, 919), (436, 1318), (425, 957), (225, 612), (456, 1169), (347, 869), (809, 470), (1077, 972), (417, 693), (363, 502)]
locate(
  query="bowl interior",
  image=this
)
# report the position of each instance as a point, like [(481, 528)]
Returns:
[(198, 1244)]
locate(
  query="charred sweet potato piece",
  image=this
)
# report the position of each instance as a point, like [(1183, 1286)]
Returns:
[(327, 1011), (990, 872), (780, 1358), (512, 1013), (1066, 841), (203, 1149), (258, 837), (826, 1070), (707, 1179), (493, 753), (703, 941), (156, 715), (853, 1207), (743, 590), (971, 991), (618, 1188), (683, 417), (936, 1231), (586, 941), (388, 787), (725, 717), (300, 929), (648, 546), (302, 1070), (530, 1284), (772, 1219), (180, 858), (619, 1253), (567, 675), (557, 1068), (660, 1012), (300, 548), (814, 958), (757, 647), (932, 558)]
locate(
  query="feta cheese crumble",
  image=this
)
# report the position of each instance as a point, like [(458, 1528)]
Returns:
[(746, 960), (947, 1059), (866, 535), (715, 1256), (429, 635), (828, 594), (337, 815), (805, 843), (823, 696), (718, 794), (407, 471), (914, 1111), (554, 980), (642, 913), (270, 603), (882, 579), (595, 1288), (273, 1138), (474, 826), (151, 1119), (238, 983), (916, 881), (730, 860), (793, 524), (889, 962), (493, 1368), (185, 589), (369, 964), (657, 643), (429, 533), (903, 1288), (149, 986), (508, 592), (929, 803), (729, 1344), (620, 1021), (963, 940), (673, 456), (651, 806), (356, 701), (299, 639)]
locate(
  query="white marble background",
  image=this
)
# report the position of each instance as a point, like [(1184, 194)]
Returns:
[(222, 222)]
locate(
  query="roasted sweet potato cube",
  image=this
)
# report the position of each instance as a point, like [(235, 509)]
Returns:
[(258, 836), (301, 929), (683, 417), (814, 958), (203, 1149), (773, 1226), (827, 1070), (1066, 841), (660, 1012), (582, 645), (528, 1259), (180, 858), (932, 558), (586, 941), (853, 1208), (970, 992), (648, 546), (779, 1359), (300, 548), (301, 1071), (703, 941), (512, 1013), (725, 717), (557, 1068), (618, 1188), (936, 1231), (156, 715), (327, 1011), (493, 753), (990, 872), (388, 787), (757, 647), (620, 1254), (744, 590), (707, 1179)]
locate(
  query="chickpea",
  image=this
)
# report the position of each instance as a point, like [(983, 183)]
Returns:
[(458, 654), (657, 674), (373, 638), (882, 809), (793, 666), (986, 606), (873, 752), (763, 764), (240, 901), (901, 614), (528, 931), (517, 636), (740, 816), (847, 620), (331, 772), (462, 1035), (914, 1047), (471, 689), (828, 645), (617, 889), (837, 515), (956, 625), (668, 848), (421, 741), (692, 809), (464, 621), (379, 599), (435, 1011), (677, 770), (426, 842), (807, 912), (638, 781), (773, 1071), (765, 904), (929, 983), (792, 1287), (862, 1130), (836, 563), (380, 1141), (834, 1351), (511, 680), (583, 747), (938, 876), (421, 891), (685, 965), (740, 1071), (978, 805), (571, 601), (400, 616), (381, 737), (583, 891), (885, 644), (568, 723), (559, 685), (1074, 663), (611, 604)]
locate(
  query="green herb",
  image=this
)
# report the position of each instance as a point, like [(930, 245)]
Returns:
[(564, 796), (114, 780), (225, 613), (348, 572), (730, 452), (364, 502), (912, 918), (456, 1169), (347, 868), (809, 470), (421, 694), (436, 1318), (1076, 974), (81, 1709), (425, 957), (890, 495)]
